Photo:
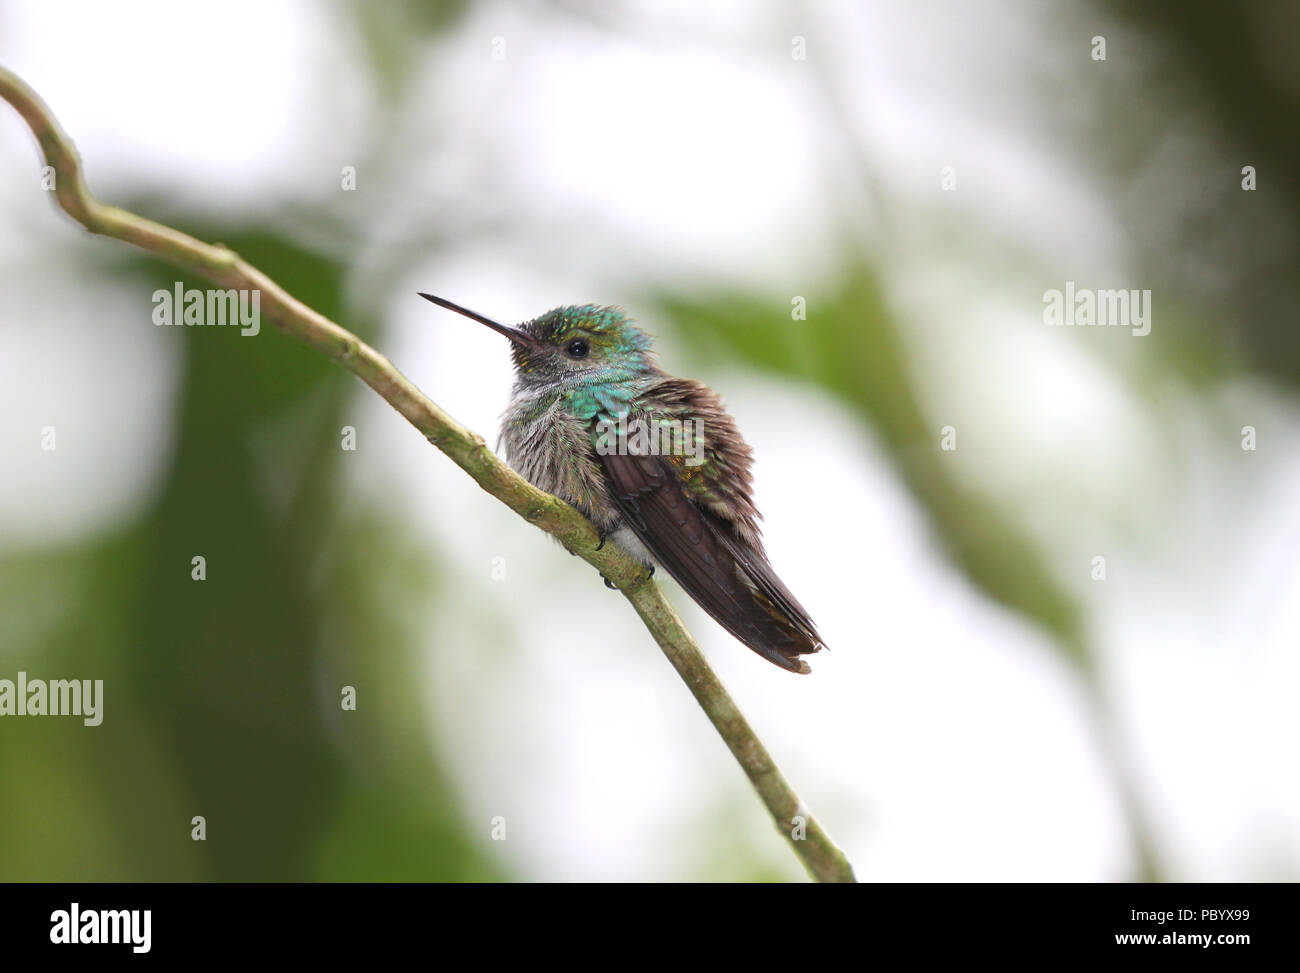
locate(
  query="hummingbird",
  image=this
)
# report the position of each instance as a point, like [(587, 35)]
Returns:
[(654, 462)]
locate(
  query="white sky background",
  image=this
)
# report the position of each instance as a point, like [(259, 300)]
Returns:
[(941, 739)]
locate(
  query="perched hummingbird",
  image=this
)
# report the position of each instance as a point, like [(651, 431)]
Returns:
[(655, 462)]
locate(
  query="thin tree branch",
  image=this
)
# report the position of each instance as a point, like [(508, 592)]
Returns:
[(824, 861)]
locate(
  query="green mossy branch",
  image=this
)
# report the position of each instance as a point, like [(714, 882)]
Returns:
[(823, 860)]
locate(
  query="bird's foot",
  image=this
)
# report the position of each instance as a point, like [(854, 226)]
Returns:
[(609, 584), (603, 536)]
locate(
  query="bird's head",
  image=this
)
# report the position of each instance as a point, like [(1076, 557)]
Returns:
[(576, 345)]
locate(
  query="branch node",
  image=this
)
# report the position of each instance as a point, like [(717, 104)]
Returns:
[(223, 258)]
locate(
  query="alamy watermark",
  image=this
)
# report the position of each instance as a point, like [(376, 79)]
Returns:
[(211, 307), (1106, 308), (651, 437), (55, 697), (129, 927)]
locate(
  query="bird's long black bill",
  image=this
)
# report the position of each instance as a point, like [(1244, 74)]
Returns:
[(516, 335)]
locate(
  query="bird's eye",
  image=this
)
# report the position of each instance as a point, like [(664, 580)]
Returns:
[(577, 348)]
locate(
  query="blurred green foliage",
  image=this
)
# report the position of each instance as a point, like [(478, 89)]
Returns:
[(225, 701)]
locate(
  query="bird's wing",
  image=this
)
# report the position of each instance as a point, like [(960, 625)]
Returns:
[(699, 522)]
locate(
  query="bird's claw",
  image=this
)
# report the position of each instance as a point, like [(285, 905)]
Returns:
[(609, 584)]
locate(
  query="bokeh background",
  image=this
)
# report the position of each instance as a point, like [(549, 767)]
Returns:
[(990, 710)]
